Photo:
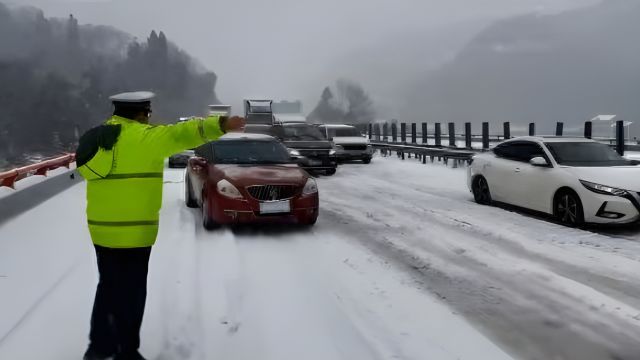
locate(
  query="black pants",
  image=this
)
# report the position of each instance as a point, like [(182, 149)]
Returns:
[(120, 299)]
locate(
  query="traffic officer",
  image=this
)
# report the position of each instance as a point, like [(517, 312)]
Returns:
[(122, 162)]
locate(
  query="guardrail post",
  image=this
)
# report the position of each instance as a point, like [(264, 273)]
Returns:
[(507, 130), (588, 129), (413, 133), (485, 135), (559, 128), (452, 134), (424, 134), (438, 135), (403, 133), (532, 129), (10, 181), (620, 137), (394, 132), (467, 135)]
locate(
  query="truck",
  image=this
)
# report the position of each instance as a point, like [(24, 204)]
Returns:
[(258, 111)]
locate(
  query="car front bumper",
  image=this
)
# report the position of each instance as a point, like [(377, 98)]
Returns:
[(318, 163), (610, 209), (226, 211), (354, 154)]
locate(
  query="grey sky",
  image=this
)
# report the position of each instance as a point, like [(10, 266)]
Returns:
[(289, 49)]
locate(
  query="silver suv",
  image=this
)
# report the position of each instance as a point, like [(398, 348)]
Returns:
[(348, 142)]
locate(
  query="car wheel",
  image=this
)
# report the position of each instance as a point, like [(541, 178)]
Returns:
[(330, 172), (366, 160), (188, 197), (207, 221), (481, 192), (567, 208)]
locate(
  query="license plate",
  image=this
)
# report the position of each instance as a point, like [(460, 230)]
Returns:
[(315, 162), (275, 207)]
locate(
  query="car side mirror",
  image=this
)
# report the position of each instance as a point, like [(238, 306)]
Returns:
[(197, 163), (539, 161)]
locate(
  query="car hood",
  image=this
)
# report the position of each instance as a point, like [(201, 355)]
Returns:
[(308, 144), (245, 175), (621, 177), (358, 140)]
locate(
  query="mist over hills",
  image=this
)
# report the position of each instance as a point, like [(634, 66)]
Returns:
[(57, 75), (539, 68)]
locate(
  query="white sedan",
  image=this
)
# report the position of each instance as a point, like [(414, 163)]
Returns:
[(575, 180)]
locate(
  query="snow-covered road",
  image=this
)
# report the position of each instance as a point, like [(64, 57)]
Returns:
[(541, 290), (401, 265)]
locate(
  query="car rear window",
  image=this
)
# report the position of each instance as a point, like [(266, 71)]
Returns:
[(259, 129)]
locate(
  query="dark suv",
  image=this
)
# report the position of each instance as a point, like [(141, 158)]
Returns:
[(305, 142)]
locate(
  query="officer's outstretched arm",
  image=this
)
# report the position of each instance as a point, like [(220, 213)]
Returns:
[(166, 140)]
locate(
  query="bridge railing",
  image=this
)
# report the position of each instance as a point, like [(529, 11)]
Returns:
[(402, 134), (9, 178)]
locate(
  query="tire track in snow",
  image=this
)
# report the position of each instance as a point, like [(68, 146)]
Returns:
[(448, 266)]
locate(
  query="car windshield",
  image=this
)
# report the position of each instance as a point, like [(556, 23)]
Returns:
[(343, 132), (250, 152), (585, 154), (302, 132)]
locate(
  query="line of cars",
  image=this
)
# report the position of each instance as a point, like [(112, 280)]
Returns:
[(249, 178), (264, 174), (575, 180)]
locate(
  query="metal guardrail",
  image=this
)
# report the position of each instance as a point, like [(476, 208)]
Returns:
[(382, 132), (9, 178), (422, 152)]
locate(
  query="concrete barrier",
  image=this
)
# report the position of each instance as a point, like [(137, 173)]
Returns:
[(13, 204)]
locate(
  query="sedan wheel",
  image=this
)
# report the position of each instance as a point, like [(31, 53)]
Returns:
[(481, 192), (188, 197), (568, 209), (207, 221)]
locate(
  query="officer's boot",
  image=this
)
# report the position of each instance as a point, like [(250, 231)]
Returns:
[(93, 354)]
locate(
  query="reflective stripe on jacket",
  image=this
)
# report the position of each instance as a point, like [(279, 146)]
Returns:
[(124, 184)]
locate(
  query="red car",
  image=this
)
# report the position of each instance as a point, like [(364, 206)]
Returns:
[(249, 178)]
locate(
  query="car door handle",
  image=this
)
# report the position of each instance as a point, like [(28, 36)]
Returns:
[(517, 170)]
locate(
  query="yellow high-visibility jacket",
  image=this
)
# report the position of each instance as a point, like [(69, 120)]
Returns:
[(124, 171)]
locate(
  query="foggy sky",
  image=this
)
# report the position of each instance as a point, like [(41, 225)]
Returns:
[(291, 49)]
